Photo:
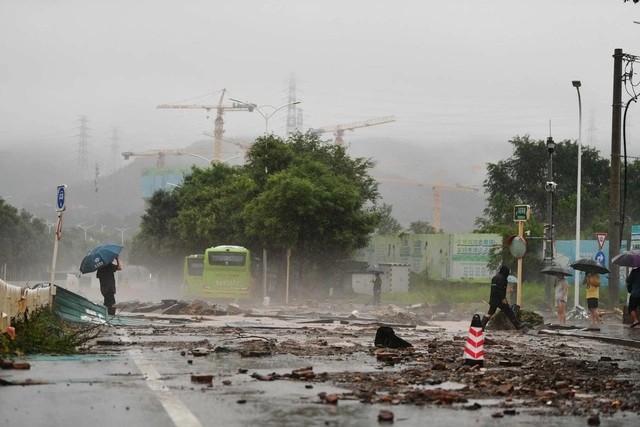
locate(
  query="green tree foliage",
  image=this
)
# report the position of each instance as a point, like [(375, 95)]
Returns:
[(156, 244), (301, 194), (26, 247), (521, 179), (388, 224), (421, 227)]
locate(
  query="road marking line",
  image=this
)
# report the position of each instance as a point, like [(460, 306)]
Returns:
[(176, 409)]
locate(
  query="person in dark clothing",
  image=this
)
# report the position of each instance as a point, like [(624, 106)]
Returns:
[(633, 287), (377, 289), (498, 298), (107, 278)]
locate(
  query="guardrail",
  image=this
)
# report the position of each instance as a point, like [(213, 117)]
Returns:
[(16, 301)]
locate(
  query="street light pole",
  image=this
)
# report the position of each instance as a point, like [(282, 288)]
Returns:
[(550, 186), (264, 115), (121, 230), (266, 131), (214, 160), (576, 296)]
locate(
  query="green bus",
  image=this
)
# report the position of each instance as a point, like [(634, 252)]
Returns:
[(222, 272)]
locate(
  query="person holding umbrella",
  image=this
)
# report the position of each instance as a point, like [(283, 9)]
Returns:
[(107, 278), (561, 296), (592, 280), (101, 259), (377, 289), (633, 286)]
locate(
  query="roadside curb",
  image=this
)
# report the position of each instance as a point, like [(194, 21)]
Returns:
[(607, 339)]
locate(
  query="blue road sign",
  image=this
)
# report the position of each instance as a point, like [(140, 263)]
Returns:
[(60, 202), (599, 256)]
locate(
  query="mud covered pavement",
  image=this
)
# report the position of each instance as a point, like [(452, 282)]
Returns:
[(534, 373), (304, 366)]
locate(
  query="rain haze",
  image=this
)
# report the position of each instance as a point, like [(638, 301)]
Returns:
[(461, 79)]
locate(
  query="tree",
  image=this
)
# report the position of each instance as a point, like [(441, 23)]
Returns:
[(421, 227), (158, 244), (26, 247), (388, 224), (303, 194), (521, 179)]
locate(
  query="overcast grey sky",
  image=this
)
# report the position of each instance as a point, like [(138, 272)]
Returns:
[(467, 73)]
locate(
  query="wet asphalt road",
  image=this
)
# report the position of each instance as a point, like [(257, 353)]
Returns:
[(140, 375)]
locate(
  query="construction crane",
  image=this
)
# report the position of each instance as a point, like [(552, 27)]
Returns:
[(338, 130), (161, 154), (219, 121), (437, 188)]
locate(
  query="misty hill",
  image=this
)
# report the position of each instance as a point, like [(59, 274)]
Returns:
[(30, 173)]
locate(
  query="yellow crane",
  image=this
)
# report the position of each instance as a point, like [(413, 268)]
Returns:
[(338, 130), (219, 121), (437, 188), (161, 154)]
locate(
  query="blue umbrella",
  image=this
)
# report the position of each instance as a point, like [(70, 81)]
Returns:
[(99, 256)]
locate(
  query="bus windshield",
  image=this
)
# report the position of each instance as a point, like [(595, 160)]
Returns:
[(227, 258)]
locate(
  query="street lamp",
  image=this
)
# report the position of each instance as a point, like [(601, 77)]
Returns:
[(266, 131), (214, 160), (85, 229), (576, 297), (550, 187), (264, 115), (121, 230)]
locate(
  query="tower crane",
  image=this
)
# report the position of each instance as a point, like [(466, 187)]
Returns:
[(437, 188), (219, 121), (160, 154), (338, 130)]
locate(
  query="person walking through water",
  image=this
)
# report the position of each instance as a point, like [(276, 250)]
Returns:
[(377, 289), (562, 294), (107, 278), (633, 287), (592, 280), (498, 299)]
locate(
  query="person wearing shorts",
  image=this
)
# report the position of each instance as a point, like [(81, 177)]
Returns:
[(633, 287), (592, 280), (561, 295)]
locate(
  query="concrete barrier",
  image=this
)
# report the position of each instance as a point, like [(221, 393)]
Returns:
[(16, 301)]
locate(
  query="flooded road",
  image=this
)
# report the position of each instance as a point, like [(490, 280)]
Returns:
[(235, 370)]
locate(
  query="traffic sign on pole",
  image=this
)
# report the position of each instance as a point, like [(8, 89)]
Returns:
[(60, 198), (521, 212), (601, 239)]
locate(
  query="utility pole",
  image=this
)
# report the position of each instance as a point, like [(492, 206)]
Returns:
[(294, 114), (614, 200), (115, 151), (83, 147), (550, 187)]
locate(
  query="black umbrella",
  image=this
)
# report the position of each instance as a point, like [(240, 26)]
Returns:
[(590, 266), (627, 259), (556, 269), (375, 268)]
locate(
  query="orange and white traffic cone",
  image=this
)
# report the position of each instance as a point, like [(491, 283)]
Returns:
[(474, 346)]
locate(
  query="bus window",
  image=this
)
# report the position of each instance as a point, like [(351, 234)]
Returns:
[(227, 258), (195, 266)]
